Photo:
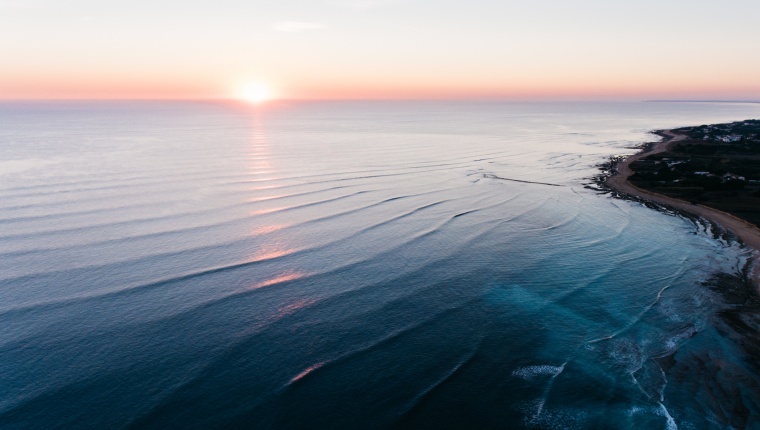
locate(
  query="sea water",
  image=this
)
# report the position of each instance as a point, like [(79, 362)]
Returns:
[(355, 265)]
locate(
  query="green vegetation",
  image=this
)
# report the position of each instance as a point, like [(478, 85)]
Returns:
[(717, 165)]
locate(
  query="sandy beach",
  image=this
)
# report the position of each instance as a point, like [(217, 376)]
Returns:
[(745, 231)]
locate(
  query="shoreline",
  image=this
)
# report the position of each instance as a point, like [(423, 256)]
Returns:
[(746, 232)]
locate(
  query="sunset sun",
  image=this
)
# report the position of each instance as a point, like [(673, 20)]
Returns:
[(256, 92)]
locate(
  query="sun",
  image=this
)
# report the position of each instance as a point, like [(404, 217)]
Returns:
[(256, 92)]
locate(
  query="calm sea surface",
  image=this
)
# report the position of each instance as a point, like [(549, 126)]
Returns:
[(354, 265)]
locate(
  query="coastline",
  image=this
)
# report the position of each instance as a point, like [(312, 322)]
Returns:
[(746, 232)]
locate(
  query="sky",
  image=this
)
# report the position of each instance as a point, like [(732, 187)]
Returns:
[(366, 49)]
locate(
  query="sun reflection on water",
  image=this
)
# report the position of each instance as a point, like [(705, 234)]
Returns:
[(273, 246)]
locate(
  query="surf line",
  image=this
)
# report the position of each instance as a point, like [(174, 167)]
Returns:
[(492, 176)]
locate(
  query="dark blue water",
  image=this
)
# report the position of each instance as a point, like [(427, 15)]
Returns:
[(355, 265)]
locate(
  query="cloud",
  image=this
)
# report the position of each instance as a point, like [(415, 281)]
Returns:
[(297, 26)]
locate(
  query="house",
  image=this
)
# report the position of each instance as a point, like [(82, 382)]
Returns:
[(732, 177), (730, 138)]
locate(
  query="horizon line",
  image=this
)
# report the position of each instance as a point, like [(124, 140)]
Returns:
[(700, 101), (375, 99)]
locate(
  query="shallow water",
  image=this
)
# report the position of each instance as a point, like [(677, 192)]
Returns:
[(354, 264)]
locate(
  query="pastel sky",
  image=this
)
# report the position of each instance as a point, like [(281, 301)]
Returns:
[(312, 49)]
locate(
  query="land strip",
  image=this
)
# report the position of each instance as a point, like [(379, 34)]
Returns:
[(747, 232)]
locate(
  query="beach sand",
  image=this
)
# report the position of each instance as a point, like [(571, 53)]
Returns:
[(748, 233)]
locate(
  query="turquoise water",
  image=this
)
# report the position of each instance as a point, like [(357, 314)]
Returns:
[(354, 264)]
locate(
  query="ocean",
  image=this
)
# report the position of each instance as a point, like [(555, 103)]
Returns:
[(327, 265)]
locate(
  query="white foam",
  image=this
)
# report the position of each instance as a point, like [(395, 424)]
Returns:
[(532, 372), (661, 410), (627, 354), (673, 343), (561, 418), (671, 423)]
